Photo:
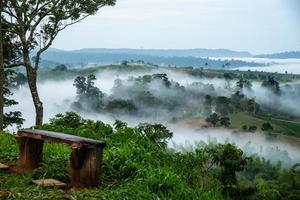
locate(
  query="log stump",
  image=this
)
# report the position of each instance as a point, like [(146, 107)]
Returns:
[(31, 153), (85, 166)]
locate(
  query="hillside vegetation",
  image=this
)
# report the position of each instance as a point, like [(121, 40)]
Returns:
[(138, 166)]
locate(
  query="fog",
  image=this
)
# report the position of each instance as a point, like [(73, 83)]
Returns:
[(58, 96), (276, 65), (187, 138)]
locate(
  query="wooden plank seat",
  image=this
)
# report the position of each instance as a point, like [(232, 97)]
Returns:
[(85, 161)]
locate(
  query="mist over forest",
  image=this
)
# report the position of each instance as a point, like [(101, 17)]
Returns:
[(172, 97), (201, 103)]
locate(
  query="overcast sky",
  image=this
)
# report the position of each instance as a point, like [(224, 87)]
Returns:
[(258, 26)]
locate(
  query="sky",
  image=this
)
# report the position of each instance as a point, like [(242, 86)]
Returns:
[(257, 26)]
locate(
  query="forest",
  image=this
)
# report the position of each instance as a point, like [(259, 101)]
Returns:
[(142, 161), (153, 123)]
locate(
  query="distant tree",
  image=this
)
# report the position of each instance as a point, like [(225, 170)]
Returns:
[(252, 129), (162, 77), (124, 63), (37, 23), (244, 127), (207, 105), (252, 106), (60, 68), (213, 119), (267, 127), (228, 76), (88, 94), (272, 84), (236, 99), (227, 64), (121, 105), (243, 83), (223, 105), (225, 121)]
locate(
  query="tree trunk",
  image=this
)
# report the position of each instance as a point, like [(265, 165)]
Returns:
[(32, 77), (32, 81), (1, 72)]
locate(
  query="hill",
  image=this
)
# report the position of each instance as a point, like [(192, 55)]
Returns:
[(282, 55), (181, 58)]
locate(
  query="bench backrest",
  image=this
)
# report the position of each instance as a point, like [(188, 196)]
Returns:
[(60, 138)]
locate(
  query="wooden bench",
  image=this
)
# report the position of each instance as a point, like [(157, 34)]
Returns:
[(86, 156)]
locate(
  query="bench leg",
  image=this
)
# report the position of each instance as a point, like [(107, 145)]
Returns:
[(31, 153), (85, 166)]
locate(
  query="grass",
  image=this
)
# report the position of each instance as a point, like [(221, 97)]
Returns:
[(132, 169), (240, 119), (281, 126)]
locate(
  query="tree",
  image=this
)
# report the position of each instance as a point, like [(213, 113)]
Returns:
[(272, 84), (12, 117), (207, 105), (119, 125), (223, 105), (60, 68), (252, 106), (213, 119), (37, 23), (124, 63), (225, 121), (69, 119), (9, 52), (252, 129), (244, 83), (88, 94), (267, 127), (157, 133), (231, 160), (1, 71)]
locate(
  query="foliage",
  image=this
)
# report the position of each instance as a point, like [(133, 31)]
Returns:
[(69, 119), (243, 83), (120, 125), (225, 121), (267, 127), (120, 105), (213, 119), (157, 133), (252, 129), (13, 117), (135, 167), (89, 96), (60, 68), (223, 105), (272, 84), (231, 160)]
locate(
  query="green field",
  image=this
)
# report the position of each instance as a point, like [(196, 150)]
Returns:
[(281, 126)]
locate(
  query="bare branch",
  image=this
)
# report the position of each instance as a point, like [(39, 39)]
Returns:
[(74, 22)]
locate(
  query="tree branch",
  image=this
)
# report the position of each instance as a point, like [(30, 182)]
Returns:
[(14, 65)]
